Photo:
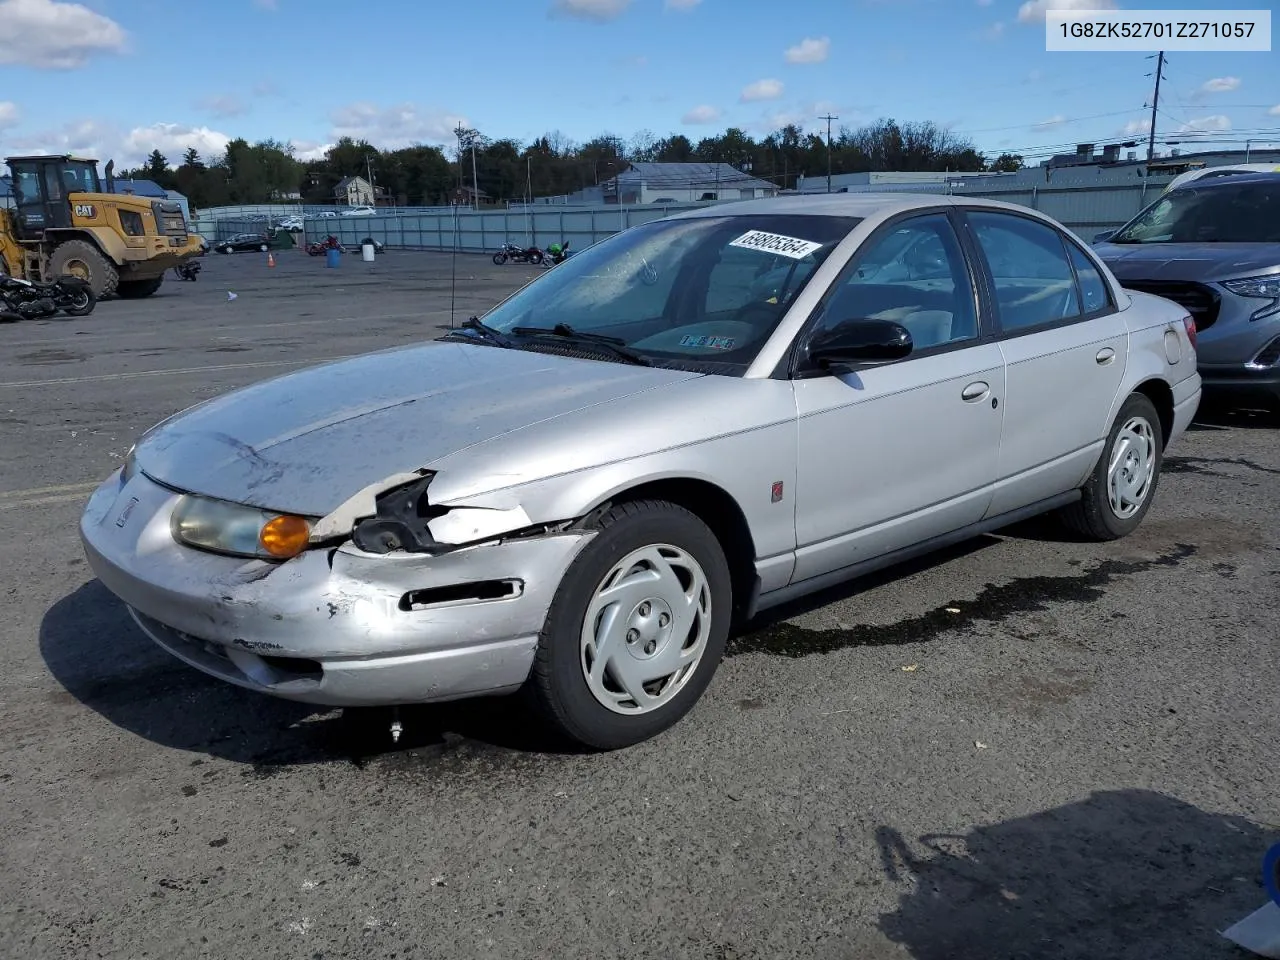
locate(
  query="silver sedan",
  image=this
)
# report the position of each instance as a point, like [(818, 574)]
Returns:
[(579, 494)]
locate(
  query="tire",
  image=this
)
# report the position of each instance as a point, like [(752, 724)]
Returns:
[(226, 250), (80, 258), (629, 535), (535, 257), (1093, 516), (86, 302), (138, 289), (8, 316), (499, 258)]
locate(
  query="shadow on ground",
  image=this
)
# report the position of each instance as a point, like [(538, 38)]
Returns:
[(1125, 873), (101, 658)]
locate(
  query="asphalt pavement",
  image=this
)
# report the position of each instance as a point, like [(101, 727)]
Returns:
[(1022, 747)]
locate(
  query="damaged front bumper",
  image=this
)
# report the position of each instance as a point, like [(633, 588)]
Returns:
[(335, 626)]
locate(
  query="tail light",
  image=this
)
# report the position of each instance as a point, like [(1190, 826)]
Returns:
[(1189, 322)]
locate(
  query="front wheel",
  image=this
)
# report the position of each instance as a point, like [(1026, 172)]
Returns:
[(636, 629), (499, 258), (535, 256), (1119, 492)]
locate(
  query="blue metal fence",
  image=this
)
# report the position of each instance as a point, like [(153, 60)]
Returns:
[(1085, 210)]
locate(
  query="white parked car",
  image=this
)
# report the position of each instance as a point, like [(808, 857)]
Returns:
[(580, 493), (360, 212)]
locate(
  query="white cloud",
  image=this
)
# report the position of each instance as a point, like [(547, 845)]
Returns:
[(1033, 11), (1274, 111), (761, 90), (307, 150), (127, 147), (701, 114), (390, 128), (809, 50), (1135, 127), (599, 11), (223, 105), (55, 35), (1056, 120), (1221, 85), (9, 114), (1216, 123), (681, 4)]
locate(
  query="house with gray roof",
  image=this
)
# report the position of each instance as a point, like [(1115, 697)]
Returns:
[(684, 182)]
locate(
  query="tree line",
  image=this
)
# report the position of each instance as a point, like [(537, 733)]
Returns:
[(422, 175)]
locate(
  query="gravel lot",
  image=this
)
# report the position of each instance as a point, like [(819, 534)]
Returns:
[(1024, 747)]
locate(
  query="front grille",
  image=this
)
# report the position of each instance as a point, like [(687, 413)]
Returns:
[(1200, 301), (1268, 356), (169, 219)]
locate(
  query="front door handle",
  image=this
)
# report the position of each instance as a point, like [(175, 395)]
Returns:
[(975, 392), (1105, 355)]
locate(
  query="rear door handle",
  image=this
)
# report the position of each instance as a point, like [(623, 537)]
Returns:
[(1105, 355), (975, 391)]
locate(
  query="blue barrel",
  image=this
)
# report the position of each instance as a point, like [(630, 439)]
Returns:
[(331, 258)]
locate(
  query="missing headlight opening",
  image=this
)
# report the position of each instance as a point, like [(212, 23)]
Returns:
[(400, 522)]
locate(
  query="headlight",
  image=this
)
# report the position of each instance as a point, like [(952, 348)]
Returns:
[(235, 529), (1263, 287)]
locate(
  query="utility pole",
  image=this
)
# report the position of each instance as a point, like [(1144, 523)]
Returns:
[(828, 118), (368, 165), (1155, 103)]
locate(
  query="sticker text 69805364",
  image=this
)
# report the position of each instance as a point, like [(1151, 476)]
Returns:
[(783, 246)]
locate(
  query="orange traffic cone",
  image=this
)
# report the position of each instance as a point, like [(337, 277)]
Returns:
[(271, 259)]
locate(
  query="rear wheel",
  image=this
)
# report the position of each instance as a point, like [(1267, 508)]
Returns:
[(137, 289), (636, 629), (1119, 492), (80, 303), (80, 258), (535, 256)]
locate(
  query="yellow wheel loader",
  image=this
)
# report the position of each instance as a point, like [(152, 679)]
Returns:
[(62, 222)]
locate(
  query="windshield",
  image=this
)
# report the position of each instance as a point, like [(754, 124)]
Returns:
[(1222, 212), (702, 289)]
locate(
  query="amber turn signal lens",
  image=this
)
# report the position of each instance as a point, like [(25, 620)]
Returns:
[(285, 536)]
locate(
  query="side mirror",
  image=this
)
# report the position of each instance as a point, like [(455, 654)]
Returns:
[(860, 341), (1104, 236)]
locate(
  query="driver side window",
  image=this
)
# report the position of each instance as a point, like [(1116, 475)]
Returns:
[(914, 274)]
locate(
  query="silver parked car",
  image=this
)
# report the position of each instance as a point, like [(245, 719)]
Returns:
[(579, 494), (1213, 246)]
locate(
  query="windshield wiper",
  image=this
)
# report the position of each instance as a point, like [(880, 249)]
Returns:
[(487, 333), (614, 345)]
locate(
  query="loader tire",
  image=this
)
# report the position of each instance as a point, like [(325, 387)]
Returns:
[(79, 258), (137, 289)]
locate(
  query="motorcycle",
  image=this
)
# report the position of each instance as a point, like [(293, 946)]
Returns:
[(188, 270), (509, 251), (557, 253), (29, 300), (320, 247)]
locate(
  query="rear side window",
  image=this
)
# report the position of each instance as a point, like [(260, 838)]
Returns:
[(1034, 283), (1093, 289)]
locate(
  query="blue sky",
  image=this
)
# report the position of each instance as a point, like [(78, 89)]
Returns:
[(121, 77)]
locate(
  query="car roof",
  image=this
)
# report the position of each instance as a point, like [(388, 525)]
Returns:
[(1252, 176), (862, 205)]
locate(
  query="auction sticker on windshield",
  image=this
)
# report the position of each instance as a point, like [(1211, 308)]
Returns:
[(783, 246)]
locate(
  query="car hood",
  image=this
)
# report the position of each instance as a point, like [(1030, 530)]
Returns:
[(307, 441), (1188, 261)]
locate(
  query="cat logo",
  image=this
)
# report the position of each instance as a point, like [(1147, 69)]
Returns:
[(86, 210)]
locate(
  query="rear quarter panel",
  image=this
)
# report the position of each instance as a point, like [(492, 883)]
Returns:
[(1159, 349)]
